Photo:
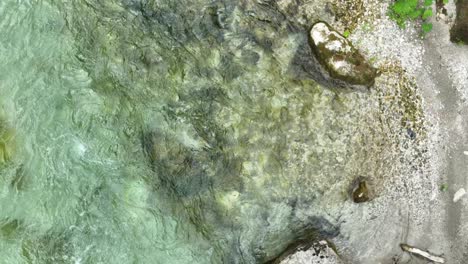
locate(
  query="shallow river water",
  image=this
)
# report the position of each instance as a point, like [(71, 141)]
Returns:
[(180, 132)]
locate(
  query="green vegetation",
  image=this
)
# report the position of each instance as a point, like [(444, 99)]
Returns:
[(443, 187), (346, 33), (403, 11)]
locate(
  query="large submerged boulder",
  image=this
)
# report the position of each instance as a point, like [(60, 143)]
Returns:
[(459, 32), (338, 56)]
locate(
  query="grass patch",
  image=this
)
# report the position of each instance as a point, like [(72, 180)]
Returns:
[(403, 11)]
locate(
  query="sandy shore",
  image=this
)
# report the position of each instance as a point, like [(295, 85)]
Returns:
[(426, 216)]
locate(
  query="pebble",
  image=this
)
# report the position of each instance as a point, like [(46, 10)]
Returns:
[(458, 195)]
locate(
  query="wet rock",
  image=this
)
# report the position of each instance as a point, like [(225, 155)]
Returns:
[(321, 252), (8, 227), (339, 57), (361, 192), (459, 32), (440, 7)]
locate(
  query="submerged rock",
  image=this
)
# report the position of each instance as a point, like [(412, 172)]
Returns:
[(361, 192), (8, 227), (339, 57), (321, 252), (459, 32)]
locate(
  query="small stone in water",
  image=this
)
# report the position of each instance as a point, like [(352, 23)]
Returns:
[(411, 133), (361, 193)]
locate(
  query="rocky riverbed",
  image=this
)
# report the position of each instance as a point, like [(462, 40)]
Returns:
[(144, 131)]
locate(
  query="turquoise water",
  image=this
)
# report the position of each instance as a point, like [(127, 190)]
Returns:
[(171, 132), (74, 192)]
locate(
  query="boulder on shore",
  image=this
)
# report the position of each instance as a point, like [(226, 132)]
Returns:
[(339, 57)]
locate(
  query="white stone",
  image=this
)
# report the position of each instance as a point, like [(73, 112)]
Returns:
[(319, 33), (342, 66), (458, 195), (335, 45)]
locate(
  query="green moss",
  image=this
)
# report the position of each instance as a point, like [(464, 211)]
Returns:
[(346, 34)]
